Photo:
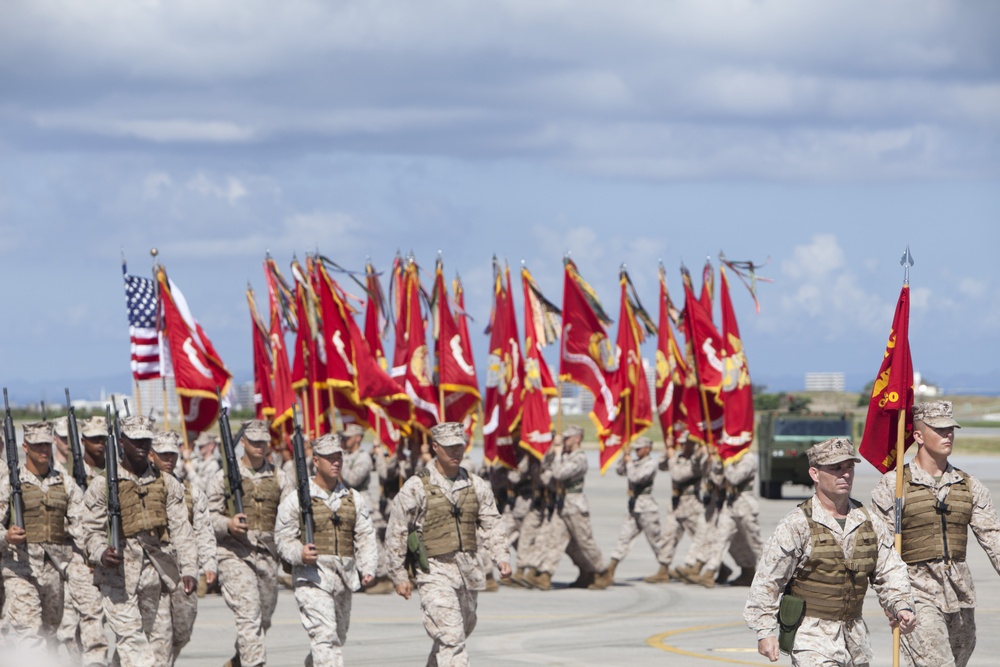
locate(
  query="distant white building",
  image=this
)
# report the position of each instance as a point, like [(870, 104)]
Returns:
[(825, 382), (922, 388)]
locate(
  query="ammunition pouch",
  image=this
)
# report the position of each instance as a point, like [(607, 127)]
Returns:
[(791, 610), (416, 555)]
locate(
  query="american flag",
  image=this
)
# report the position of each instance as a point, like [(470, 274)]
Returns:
[(140, 301)]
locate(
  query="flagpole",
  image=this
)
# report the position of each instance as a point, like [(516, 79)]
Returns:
[(906, 262), (333, 410), (138, 398), (316, 428), (166, 413), (559, 409), (305, 409), (180, 410)]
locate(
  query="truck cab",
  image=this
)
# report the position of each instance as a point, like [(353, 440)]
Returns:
[(782, 441)]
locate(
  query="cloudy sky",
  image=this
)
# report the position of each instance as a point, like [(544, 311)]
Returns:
[(824, 136)]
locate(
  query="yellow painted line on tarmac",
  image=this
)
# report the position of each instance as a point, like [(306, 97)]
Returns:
[(659, 642)]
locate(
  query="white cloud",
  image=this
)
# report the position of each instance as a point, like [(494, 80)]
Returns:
[(155, 183), (232, 190)]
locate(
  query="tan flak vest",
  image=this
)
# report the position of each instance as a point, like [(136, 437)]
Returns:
[(933, 530), (260, 502), (333, 532), (144, 507), (45, 513), (832, 585), (449, 528)]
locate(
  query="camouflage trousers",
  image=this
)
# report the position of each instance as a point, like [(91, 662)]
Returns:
[(940, 639), (693, 519), (82, 628), (326, 618), (141, 621), (737, 531), (33, 607), (643, 523), (183, 612), (449, 619), (250, 588), (554, 540), (529, 544), (582, 534)]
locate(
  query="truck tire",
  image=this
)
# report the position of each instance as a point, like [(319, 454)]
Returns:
[(770, 490)]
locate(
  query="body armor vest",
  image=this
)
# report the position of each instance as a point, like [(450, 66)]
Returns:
[(932, 529), (144, 506), (449, 528), (334, 531), (45, 512), (832, 585), (260, 502)]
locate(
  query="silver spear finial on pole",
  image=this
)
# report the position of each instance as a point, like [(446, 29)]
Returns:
[(906, 261)]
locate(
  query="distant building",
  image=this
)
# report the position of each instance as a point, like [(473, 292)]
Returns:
[(150, 400), (922, 388), (824, 382)]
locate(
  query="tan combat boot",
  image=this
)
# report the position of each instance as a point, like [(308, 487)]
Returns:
[(706, 579), (602, 581), (661, 576), (520, 578), (381, 586), (541, 580), (612, 566)]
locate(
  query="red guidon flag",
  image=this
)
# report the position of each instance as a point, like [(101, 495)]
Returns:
[(736, 390), (199, 374), (541, 327), (341, 366), (671, 370), (456, 369), (309, 362), (374, 315), (635, 410), (500, 415), (411, 366), (893, 392), (587, 357), (281, 303), (701, 399), (263, 382)]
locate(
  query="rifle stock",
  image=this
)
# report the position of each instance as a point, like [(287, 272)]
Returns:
[(75, 448), (111, 468), (10, 442), (302, 481)]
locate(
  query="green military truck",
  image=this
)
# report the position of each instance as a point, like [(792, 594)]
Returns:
[(782, 441)]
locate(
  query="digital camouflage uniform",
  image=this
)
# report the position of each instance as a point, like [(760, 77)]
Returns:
[(643, 517), (448, 592), (136, 594), (942, 588), (738, 528), (356, 474), (248, 566), (823, 642), (34, 574), (323, 591), (688, 511), (569, 471)]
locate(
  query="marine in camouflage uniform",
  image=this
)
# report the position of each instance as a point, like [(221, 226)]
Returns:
[(737, 530), (34, 558), (357, 474), (445, 505), (940, 504), (326, 571), (643, 517), (568, 466), (826, 552), (201, 469), (247, 555), (183, 608), (527, 515), (159, 553), (688, 463), (82, 629)]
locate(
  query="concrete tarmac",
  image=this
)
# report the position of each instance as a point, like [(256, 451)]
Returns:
[(632, 623)]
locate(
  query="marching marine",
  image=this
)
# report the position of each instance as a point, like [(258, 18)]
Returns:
[(822, 557), (443, 506), (326, 571), (34, 558), (940, 504), (247, 554), (158, 552)]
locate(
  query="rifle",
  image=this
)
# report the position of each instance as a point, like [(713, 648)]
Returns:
[(10, 440), (111, 468), (302, 480), (75, 449), (230, 464)]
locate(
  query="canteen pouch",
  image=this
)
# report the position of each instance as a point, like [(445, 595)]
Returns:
[(416, 554), (791, 609)]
